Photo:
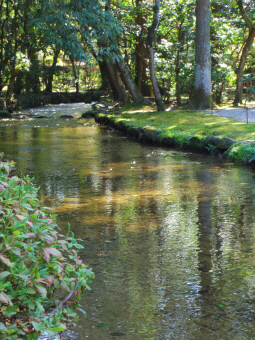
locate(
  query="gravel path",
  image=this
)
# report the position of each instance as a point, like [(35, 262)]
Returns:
[(238, 114)]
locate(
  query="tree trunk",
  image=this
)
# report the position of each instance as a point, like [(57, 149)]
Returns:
[(34, 69), (124, 72), (12, 40), (149, 42), (239, 80), (141, 54), (18, 85), (127, 79), (76, 80), (123, 97), (219, 94), (104, 77), (181, 35), (51, 75), (202, 92), (10, 86)]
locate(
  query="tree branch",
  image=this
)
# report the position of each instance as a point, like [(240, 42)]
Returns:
[(244, 14)]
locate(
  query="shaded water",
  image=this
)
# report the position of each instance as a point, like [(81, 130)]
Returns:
[(170, 236)]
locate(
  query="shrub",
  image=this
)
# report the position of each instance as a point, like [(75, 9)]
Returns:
[(241, 153), (39, 268)]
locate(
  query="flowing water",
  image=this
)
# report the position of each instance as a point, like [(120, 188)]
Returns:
[(169, 235)]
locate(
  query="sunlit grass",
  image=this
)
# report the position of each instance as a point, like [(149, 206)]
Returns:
[(188, 123)]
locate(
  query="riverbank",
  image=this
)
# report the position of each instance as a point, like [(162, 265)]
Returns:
[(28, 101), (185, 130)]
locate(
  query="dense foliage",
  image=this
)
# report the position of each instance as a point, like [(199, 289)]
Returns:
[(56, 42), (41, 276)]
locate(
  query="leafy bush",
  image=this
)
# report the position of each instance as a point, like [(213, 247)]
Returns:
[(242, 153), (39, 268)]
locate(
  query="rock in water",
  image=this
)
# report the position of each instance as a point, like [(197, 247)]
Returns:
[(66, 116)]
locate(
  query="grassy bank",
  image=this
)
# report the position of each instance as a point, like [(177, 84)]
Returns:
[(186, 130)]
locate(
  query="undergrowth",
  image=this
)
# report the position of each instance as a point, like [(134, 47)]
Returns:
[(42, 277)]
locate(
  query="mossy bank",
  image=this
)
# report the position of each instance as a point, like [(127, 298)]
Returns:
[(185, 130)]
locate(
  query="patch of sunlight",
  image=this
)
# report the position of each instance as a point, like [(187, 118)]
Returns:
[(212, 123)]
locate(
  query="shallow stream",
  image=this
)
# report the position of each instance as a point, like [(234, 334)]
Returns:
[(169, 235)]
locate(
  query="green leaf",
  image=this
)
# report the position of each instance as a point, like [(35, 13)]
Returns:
[(39, 306), (60, 328), (2, 327), (30, 291), (11, 309), (37, 326), (83, 312), (101, 325)]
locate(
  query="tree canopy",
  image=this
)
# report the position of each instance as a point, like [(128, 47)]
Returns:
[(137, 48)]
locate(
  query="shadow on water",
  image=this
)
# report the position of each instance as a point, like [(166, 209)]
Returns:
[(170, 236)]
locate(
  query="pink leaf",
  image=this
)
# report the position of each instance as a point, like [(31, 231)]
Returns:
[(6, 261), (41, 289), (6, 185), (15, 251), (20, 217), (5, 299), (29, 235), (54, 252), (63, 286), (30, 223), (4, 274), (47, 238), (50, 280), (46, 255), (24, 277)]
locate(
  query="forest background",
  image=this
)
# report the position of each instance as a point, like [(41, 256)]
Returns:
[(134, 48)]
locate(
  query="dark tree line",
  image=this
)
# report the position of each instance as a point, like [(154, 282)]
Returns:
[(153, 48)]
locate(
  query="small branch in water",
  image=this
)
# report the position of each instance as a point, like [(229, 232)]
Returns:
[(62, 302)]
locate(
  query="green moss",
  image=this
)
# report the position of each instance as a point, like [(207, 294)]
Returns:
[(196, 131), (188, 123)]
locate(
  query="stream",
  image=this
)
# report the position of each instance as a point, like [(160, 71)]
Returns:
[(169, 235)]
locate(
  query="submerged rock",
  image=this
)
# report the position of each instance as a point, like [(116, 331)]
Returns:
[(220, 143), (66, 116), (89, 114)]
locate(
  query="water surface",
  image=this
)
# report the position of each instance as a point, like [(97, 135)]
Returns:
[(169, 235)]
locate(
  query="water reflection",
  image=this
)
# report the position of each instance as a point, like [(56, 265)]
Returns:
[(169, 235)]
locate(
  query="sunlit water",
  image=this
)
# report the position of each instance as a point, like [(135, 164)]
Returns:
[(170, 236)]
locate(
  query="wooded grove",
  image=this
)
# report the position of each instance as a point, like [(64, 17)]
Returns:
[(197, 51)]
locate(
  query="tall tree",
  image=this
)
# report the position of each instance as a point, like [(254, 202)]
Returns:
[(245, 52), (141, 53), (149, 43), (202, 91), (123, 69)]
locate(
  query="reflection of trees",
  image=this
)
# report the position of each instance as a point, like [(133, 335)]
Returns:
[(169, 240), (204, 230)]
